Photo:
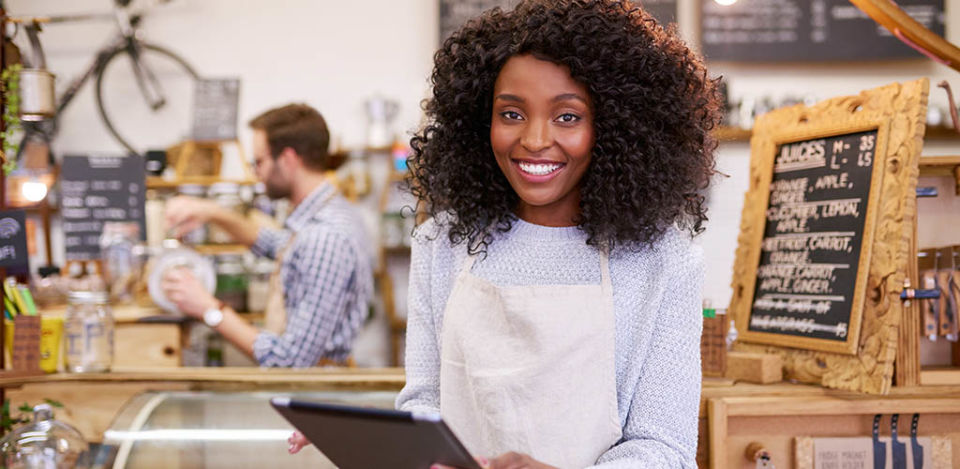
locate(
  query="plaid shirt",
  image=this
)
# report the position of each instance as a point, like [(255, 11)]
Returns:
[(327, 281)]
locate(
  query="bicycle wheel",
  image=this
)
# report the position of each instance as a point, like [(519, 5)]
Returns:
[(125, 111)]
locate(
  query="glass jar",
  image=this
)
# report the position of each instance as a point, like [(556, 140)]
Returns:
[(392, 230), (49, 288), (43, 444), (227, 195), (232, 281), (88, 332), (258, 289), (199, 234), (119, 246)]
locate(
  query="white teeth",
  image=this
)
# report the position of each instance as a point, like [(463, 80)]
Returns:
[(538, 169)]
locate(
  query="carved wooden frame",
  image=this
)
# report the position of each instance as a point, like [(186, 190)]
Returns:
[(898, 113)]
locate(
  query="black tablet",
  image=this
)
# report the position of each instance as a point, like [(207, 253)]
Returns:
[(363, 438)]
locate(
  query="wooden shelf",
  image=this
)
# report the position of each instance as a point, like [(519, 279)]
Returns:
[(938, 165), (940, 376), (732, 134), (397, 251), (217, 249), (736, 134), (948, 166), (941, 133), (154, 182), (387, 378)]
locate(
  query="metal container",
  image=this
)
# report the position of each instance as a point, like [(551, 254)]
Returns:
[(38, 99)]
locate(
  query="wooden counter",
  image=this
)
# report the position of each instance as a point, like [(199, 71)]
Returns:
[(91, 401), (234, 378), (731, 415)]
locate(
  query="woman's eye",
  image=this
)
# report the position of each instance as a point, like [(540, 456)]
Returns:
[(512, 115), (568, 118)]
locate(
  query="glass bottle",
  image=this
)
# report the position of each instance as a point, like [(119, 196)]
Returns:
[(227, 195), (199, 234), (232, 282), (88, 332), (43, 444)]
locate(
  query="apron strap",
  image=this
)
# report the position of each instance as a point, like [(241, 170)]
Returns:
[(468, 263), (605, 284)]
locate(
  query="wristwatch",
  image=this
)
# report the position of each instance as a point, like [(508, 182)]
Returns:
[(213, 317)]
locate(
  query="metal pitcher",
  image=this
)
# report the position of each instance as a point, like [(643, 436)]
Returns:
[(37, 98)]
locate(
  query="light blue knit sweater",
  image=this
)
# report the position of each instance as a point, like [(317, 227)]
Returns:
[(657, 302)]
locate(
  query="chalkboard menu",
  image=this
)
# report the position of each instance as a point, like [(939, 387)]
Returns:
[(806, 30), (13, 239), (813, 238), (96, 190), (215, 104), (454, 13)]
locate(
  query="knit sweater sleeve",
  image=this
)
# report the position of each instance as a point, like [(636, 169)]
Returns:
[(662, 420), (422, 358)]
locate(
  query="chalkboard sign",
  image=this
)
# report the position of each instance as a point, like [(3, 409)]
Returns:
[(806, 30), (826, 236), (807, 278), (96, 190), (215, 104), (13, 239), (454, 13)]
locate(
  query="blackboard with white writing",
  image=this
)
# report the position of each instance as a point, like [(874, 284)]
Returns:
[(96, 190), (13, 239), (455, 13), (813, 237), (806, 30)]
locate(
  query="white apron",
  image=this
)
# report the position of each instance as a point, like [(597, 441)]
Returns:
[(530, 369)]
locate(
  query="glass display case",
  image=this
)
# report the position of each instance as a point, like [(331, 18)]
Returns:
[(214, 430)]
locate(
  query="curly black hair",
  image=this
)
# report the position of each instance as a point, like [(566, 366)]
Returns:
[(654, 109)]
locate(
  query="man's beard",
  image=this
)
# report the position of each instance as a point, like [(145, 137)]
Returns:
[(276, 191)]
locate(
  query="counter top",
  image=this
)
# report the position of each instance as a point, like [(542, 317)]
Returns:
[(366, 378)]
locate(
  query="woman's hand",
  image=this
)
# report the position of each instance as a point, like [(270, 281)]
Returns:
[(511, 460), (297, 442)]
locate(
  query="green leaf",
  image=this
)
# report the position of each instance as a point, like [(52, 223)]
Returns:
[(53, 403), (25, 408)]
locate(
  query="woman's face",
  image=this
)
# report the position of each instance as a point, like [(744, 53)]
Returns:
[(542, 134)]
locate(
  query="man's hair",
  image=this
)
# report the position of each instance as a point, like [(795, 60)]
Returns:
[(299, 127)]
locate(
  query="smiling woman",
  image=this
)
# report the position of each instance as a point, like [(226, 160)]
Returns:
[(554, 312)]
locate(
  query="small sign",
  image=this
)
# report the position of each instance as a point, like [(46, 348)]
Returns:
[(96, 190), (13, 239), (215, 104), (841, 453), (26, 343)]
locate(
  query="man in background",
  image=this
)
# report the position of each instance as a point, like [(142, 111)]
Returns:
[(320, 292)]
